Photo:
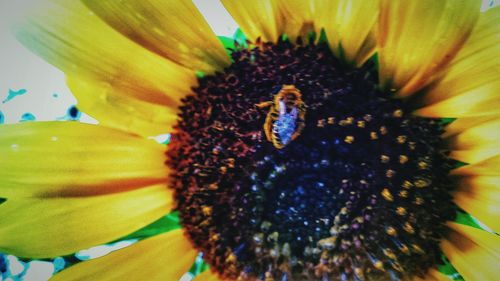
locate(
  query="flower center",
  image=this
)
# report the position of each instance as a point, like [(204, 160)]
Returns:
[(292, 166)]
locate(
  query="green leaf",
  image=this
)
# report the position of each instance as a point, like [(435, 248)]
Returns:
[(164, 224)]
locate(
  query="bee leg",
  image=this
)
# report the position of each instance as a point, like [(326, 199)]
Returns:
[(264, 104), (300, 126), (278, 144), (268, 126)]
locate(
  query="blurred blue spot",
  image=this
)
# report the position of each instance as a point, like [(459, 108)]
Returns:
[(27, 117), (59, 264), (163, 139), (13, 94), (55, 95), (2, 118), (72, 114)]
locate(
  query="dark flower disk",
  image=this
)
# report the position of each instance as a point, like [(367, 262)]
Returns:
[(361, 194)]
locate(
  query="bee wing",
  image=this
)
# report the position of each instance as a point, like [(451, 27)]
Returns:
[(282, 107), (294, 112)]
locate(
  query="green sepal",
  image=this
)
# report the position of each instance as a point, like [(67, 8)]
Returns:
[(446, 121), (464, 218), (447, 269), (198, 266), (240, 37), (164, 224)]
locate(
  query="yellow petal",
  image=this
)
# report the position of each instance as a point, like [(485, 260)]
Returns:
[(433, 275), (122, 111), (49, 227), (476, 155), (48, 159), (481, 101), (462, 124), (475, 253), (257, 18), (417, 40), (476, 67), (166, 256), (480, 196), (298, 18), (207, 276), (174, 29), (349, 26), (487, 167), (71, 37), (476, 143)]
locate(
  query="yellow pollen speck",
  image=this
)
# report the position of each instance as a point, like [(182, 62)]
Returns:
[(231, 258), (230, 162), (387, 195), (412, 145), (384, 158), (379, 265), (422, 183), (207, 211), (373, 135), (397, 113), (349, 139), (223, 170), (401, 139), (397, 267), (389, 253), (214, 237), (403, 193), (213, 186), (383, 130), (390, 173), (391, 231), (215, 151), (403, 248), (361, 124), (408, 228), (347, 121), (321, 123), (407, 184), (401, 211), (419, 201), (331, 120), (358, 271), (417, 249), (422, 165), (403, 159)]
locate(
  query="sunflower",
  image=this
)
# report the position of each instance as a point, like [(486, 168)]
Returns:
[(337, 142)]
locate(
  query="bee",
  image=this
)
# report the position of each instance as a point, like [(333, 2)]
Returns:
[(286, 117)]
